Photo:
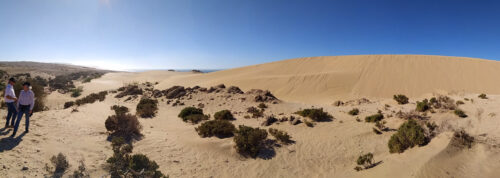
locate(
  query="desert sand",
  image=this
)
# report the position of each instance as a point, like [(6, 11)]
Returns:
[(329, 149)]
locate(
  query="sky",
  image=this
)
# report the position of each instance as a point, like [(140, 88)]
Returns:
[(221, 34)]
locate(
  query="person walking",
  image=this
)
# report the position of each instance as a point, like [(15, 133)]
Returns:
[(10, 100), (25, 106)]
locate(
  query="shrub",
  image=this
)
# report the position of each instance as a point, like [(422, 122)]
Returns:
[(129, 90), (122, 164), (60, 165), (408, 135), (280, 135), (195, 118), (218, 128), (308, 123), (262, 106), (223, 115), (119, 110), (460, 113), (81, 172), (68, 104), (256, 113), (462, 139), (249, 140), (365, 160), (459, 102), (192, 114), (125, 125), (483, 96), (422, 106), (443, 102), (401, 99), (374, 118), (101, 96), (314, 114), (147, 108), (354, 112), (76, 92)]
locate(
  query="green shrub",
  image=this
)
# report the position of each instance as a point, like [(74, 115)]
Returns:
[(68, 104), (141, 165), (195, 118), (119, 110), (422, 106), (223, 115), (374, 118), (408, 135), (401, 99), (354, 112), (315, 114), (192, 114), (365, 160), (124, 125), (483, 96), (101, 96), (256, 113), (60, 165), (262, 106), (147, 108), (249, 140), (218, 128), (76, 92), (280, 135), (460, 113)]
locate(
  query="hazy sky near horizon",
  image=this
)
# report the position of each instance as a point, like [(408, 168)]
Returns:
[(215, 34)]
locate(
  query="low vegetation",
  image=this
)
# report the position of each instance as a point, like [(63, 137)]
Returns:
[(280, 135), (193, 115), (374, 118), (218, 128), (459, 102), (76, 92), (365, 160), (124, 125), (410, 134), (68, 104), (249, 140), (119, 110), (354, 112), (101, 96), (423, 106), (59, 165), (129, 90), (460, 113), (123, 164), (256, 113), (462, 139), (401, 99), (315, 114), (224, 115), (81, 172), (147, 108), (262, 106), (482, 96)]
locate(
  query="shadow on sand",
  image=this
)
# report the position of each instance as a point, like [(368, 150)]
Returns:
[(9, 143), (4, 131)]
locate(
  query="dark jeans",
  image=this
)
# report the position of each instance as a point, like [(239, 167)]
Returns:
[(22, 110), (11, 113)]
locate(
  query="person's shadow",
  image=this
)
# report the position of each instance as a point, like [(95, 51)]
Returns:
[(4, 131), (9, 143)]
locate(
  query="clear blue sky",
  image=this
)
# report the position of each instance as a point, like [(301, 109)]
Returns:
[(210, 34)]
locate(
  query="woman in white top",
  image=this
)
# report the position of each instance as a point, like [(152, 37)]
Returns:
[(25, 105)]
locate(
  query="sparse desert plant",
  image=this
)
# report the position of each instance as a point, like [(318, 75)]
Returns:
[(408, 135), (374, 117), (124, 125), (119, 109), (218, 128), (101, 96), (249, 140), (60, 165), (223, 115), (262, 106), (256, 113), (354, 112), (280, 135), (308, 123), (422, 106), (76, 92), (81, 172), (462, 139), (365, 160), (147, 108), (401, 99), (132, 89), (68, 104), (314, 114), (192, 114), (381, 126), (460, 113), (442, 102), (482, 96), (459, 102)]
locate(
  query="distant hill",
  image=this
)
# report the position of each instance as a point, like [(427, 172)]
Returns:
[(43, 69)]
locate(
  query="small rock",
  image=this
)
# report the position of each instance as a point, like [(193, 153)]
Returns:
[(24, 168)]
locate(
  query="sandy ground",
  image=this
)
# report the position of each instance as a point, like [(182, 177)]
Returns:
[(329, 149)]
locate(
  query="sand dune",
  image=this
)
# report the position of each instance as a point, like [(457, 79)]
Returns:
[(325, 79)]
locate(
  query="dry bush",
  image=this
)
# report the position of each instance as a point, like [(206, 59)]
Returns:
[(280, 135), (408, 135), (354, 112), (193, 115), (249, 140), (224, 115), (81, 172), (68, 104), (365, 160), (256, 113), (401, 99), (308, 124), (125, 125), (129, 90), (443, 102), (462, 139), (315, 114), (218, 128), (76, 92), (147, 108), (119, 110), (423, 106), (482, 96), (374, 118), (460, 113), (60, 165), (262, 106), (410, 115), (101, 96)]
